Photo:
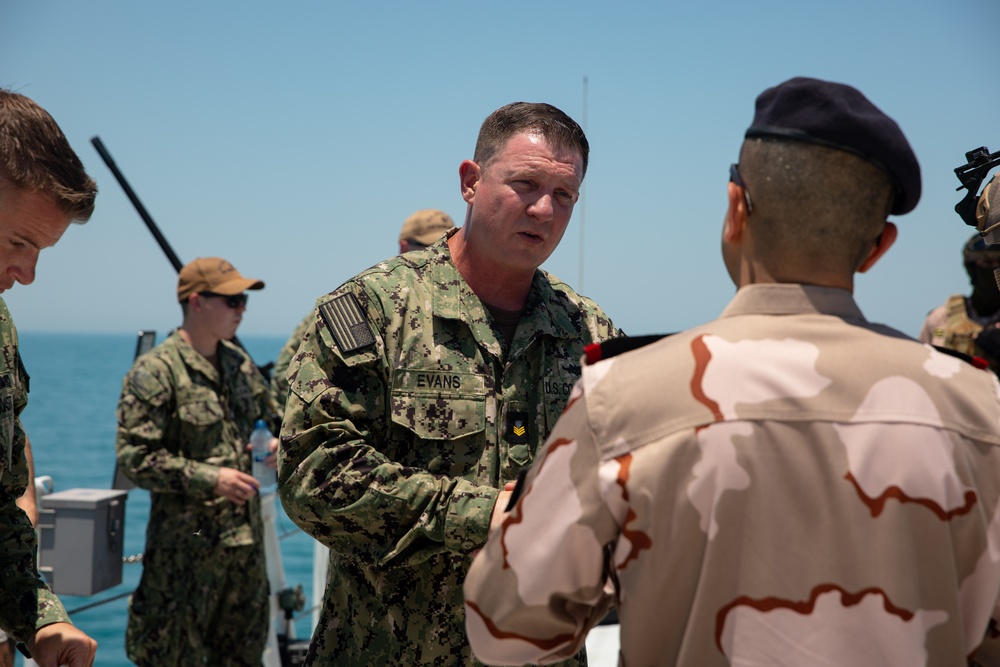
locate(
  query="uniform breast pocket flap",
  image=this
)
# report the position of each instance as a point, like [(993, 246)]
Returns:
[(439, 417), (200, 412)]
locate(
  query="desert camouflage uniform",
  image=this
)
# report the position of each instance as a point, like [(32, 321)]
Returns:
[(279, 373), (787, 485), (955, 325), (950, 326), (203, 594), (26, 603), (396, 441)]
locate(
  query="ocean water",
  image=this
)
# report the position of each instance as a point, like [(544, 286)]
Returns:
[(70, 419)]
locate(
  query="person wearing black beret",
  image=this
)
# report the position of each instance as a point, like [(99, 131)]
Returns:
[(789, 484), (840, 117)]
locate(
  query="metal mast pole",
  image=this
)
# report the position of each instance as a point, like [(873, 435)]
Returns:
[(583, 208)]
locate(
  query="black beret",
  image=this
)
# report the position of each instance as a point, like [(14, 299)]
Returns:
[(839, 116)]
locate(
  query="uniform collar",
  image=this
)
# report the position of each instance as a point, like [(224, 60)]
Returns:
[(793, 299), (229, 359), (545, 310)]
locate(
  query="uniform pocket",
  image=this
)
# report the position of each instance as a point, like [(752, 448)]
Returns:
[(556, 388), (201, 418), (7, 418), (438, 420)]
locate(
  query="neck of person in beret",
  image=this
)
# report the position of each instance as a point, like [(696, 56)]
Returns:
[(519, 204), (209, 319), (819, 215)]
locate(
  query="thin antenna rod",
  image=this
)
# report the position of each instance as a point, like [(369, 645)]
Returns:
[(583, 188)]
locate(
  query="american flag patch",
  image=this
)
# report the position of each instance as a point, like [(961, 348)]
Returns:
[(346, 322)]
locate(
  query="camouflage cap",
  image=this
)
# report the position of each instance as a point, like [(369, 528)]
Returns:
[(213, 274), (426, 226)]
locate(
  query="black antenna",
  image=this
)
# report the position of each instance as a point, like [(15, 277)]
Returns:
[(265, 370), (143, 213)]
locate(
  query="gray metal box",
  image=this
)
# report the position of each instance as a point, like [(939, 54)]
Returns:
[(81, 537)]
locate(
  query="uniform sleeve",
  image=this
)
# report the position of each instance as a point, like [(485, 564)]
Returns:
[(267, 408), (538, 586), (26, 603), (936, 319), (145, 453), (337, 479), (279, 374)]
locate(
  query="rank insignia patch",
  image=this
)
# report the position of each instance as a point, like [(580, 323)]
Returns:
[(344, 319), (517, 427)]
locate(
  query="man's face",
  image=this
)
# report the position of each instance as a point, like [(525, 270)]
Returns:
[(29, 221), (219, 317), (521, 202)]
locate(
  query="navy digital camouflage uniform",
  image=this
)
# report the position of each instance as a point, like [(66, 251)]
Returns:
[(203, 596), (26, 603), (407, 413)]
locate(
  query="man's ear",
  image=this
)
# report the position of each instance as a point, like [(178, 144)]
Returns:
[(469, 174), (881, 245), (734, 225)]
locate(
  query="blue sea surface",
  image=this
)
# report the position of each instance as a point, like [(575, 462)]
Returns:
[(75, 383)]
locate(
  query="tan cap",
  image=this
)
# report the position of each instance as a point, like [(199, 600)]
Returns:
[(213, 274), (988, 208), (426, 226)]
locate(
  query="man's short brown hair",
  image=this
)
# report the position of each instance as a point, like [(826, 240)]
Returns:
[(35, 156), (558, 129)]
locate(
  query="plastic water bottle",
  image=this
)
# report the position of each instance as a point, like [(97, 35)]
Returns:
[(259, 441)]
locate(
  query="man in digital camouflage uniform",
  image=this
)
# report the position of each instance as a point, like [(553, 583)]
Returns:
[(789, 484), (971, 324), (425, 387), (184, 419), (43, 188), (421, 229)]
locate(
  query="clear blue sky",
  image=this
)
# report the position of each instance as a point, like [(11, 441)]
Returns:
[(293, 138)]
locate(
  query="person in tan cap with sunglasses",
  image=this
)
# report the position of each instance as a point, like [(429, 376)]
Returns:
[(185, 415)]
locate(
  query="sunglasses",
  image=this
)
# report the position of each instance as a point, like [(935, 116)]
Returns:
[(734, 176), (232, 300)]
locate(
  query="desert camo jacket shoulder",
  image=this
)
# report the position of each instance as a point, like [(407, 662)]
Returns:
[(26, 603), (406, 414), (787, 485), (179, 421)]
